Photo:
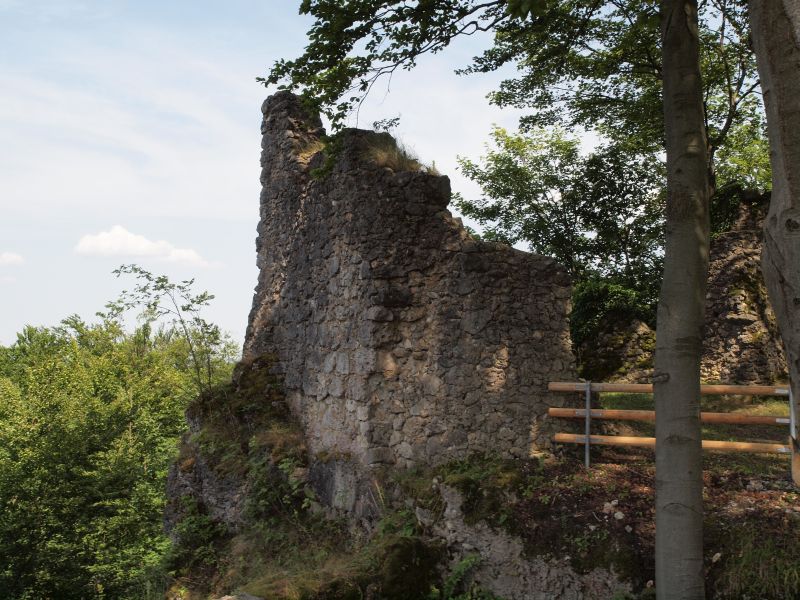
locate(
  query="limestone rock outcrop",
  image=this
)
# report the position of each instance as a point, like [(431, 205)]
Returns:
[(622, 353), (741, 342), (400, 339), (741, 339), (509, 572)]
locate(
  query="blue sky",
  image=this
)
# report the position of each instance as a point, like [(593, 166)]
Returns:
[(130, 133)]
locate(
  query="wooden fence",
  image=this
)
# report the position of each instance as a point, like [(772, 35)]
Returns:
[(588, 413)]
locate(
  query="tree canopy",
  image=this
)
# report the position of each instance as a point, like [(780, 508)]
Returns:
[(599, 214), (90, 416), (594, 64)]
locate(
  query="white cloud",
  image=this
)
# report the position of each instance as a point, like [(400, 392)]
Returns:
[(10, 258), (118, 241)]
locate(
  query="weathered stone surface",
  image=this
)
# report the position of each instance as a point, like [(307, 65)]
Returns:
[(221, 494), (741, 342), (623, 353), (506, 570), (341, 488), (741, 339), (400, 338)]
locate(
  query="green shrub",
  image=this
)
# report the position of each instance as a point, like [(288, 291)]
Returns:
[(598, 304)]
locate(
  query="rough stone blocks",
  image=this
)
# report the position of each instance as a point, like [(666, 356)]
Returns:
[(401, 339)]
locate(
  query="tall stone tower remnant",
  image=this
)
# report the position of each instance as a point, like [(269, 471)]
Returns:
[(400, 339)]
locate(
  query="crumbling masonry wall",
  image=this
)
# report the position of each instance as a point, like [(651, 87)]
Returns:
[(741, 341), (400, 338)]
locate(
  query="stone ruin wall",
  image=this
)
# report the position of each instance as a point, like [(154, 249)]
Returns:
[(401, 339), (741, 341)]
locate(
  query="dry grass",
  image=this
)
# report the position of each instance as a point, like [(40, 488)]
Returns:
[(559, 508), (281, 439), (752, 512), (323, 560), (307, 578), (759, 567), (311, 150), (385, 151)]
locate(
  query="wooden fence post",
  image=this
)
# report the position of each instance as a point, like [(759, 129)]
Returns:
[(794, 444)]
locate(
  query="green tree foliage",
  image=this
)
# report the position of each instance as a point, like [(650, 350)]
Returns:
[(599, 215), (598, 65), (352, 44), (597, 303), (590, 63), (529, 185), (89, 420), (744, 161), (160, 300)]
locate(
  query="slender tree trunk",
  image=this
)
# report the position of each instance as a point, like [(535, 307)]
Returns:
[(775, 26), (679, 465)]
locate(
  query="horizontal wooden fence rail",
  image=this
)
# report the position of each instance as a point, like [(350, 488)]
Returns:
[(650, 415), (588, 413), (650, 442), (647, 388)]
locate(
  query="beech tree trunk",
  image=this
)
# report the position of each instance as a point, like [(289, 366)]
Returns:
[(679, 460), (775, 26)]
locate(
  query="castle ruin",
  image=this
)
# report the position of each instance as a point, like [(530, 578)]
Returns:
[(401, 340)]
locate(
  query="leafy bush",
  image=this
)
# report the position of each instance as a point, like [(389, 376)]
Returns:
[(89, 419), (597, 304)]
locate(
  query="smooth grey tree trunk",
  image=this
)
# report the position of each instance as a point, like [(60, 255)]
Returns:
[(679, 461), (775, 26)]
